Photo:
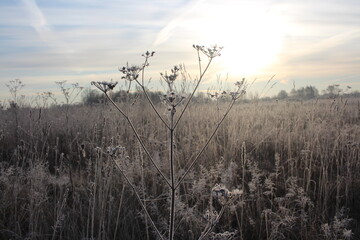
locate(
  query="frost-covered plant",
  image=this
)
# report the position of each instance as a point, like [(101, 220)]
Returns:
[(224, 197), (173, 99), (339, 228), (14, 87), (70, 94)]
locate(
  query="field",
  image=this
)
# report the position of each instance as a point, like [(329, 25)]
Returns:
[(294, 164)]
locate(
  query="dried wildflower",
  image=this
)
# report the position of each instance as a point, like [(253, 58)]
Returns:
[(113, 150), (269, 185), (240, 91), (148, 54), (131, 72), (211, 52), (105, 86), (347, 233), (216, 95), (172, 99), (221, 193), (169, 79)]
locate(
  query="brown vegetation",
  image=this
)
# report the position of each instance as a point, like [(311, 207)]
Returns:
[(296, 162)]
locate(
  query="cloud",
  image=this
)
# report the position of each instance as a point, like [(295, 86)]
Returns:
[(167, 31), (40, 24), (36, 17), (326, 44)]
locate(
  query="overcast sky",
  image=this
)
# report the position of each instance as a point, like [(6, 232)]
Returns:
[(303, 42)]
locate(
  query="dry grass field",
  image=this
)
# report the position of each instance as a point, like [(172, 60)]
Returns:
[(296, 163)]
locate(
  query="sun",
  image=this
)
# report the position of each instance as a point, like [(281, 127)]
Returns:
[(252, 36)]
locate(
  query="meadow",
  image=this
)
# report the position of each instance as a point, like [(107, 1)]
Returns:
[(295, 165)]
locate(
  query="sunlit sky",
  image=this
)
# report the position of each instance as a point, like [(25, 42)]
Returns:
[(301, 42)]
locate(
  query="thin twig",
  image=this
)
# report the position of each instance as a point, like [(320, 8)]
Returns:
[(146, 94), (192, 94), (198, 53), (152, 105)]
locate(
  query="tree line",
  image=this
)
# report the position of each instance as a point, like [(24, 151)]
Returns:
[(311, 92), (91, 96)]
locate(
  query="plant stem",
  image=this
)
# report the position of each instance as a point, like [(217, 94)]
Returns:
[(172, 188)]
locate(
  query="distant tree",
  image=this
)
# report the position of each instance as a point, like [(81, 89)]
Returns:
[(333, 90), (282, 95), (310, 92), (91, 96), (305, 93)]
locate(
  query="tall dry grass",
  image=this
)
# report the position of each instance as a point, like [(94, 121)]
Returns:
[(297, 162)]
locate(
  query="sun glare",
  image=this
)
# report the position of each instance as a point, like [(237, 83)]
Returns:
[(251, 36)]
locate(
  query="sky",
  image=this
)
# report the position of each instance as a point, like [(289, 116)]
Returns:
[(301, 42)]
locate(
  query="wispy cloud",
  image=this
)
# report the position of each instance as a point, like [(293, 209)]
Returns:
[(167, 31), (45, 32), (36, 17)]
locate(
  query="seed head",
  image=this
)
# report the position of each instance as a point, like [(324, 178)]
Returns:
[(131, 73), (105, 86), (210, 52)]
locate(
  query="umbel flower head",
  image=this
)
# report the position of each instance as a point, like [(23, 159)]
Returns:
[(131, 73), (172, 99), (148, 54), (240, 91), (170, 78), (217, 94), (105, 86), (211, 52)]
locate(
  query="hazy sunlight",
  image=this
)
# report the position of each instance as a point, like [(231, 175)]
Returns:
[(251, 36)]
